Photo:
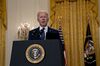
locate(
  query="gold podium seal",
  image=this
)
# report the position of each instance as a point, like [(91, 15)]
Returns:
[(35, 53)]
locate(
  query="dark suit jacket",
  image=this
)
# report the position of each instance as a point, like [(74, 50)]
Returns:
[(51, 34)]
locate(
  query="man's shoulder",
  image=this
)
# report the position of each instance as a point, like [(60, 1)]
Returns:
[(33, 30), (52, 29)]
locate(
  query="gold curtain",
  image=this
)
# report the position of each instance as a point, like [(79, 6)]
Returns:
[(73, 17), (2, 31)]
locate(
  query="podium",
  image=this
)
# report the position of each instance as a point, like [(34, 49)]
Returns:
[(53, 55)]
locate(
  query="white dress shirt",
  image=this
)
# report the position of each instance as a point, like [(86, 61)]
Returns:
[(45, 30)]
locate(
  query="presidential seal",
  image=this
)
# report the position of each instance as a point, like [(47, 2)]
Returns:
[(35, 53)]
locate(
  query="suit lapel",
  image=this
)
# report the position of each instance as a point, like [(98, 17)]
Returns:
[(49, 30), (48, 34), (36, 33)]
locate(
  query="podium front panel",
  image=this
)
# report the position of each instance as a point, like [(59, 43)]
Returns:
[(53, 53)]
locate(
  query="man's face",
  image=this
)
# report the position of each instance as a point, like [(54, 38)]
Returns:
[(42, 18)]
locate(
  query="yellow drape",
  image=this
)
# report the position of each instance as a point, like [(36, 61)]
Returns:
[(92, 9), (73, 19), (2, 31)]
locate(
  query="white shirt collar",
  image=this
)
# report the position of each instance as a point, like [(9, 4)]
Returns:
[(46, 28)]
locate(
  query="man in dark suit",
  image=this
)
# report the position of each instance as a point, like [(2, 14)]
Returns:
[(43, 32), (49, 33)]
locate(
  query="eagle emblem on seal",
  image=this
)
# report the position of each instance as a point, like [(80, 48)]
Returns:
[(35, 53)]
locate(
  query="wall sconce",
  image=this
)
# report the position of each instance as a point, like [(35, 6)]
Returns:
[(23, 31)]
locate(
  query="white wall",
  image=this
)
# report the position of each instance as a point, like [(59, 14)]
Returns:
[(20, 11)]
